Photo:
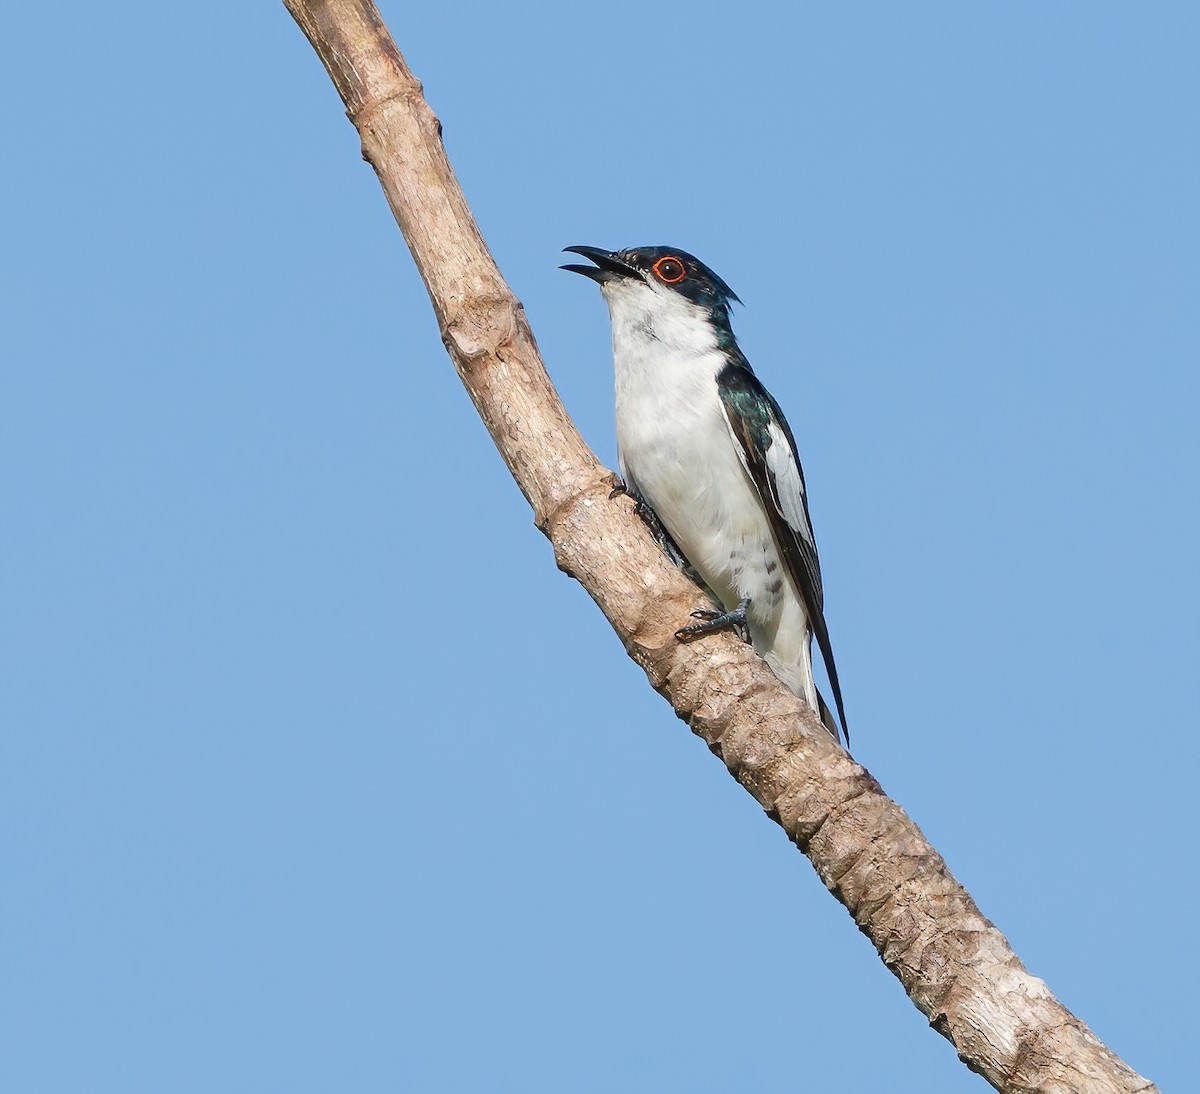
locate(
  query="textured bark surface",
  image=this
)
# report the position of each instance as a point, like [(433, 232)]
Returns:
[(954, 964)]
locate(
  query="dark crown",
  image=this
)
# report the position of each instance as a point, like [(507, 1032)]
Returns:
[(684, 273)]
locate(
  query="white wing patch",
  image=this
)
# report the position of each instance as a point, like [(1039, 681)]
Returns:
[(789, 486)]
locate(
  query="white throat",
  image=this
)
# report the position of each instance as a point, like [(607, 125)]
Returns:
[(645, 316)]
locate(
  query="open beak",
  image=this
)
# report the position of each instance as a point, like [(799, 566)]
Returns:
[(608, 266)]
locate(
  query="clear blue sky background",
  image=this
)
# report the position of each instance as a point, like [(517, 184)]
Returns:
[(318, 775)]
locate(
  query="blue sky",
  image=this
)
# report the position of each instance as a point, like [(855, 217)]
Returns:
[(318, 775)]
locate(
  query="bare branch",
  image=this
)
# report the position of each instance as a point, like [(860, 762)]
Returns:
[(955, 965)]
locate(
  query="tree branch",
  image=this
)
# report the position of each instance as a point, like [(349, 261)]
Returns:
[(955, 965)]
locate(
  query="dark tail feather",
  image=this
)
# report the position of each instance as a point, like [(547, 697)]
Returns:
[(829, 720)]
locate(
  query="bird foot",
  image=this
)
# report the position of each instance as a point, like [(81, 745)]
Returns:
[(620, 487), (650, 518), (714, 621)]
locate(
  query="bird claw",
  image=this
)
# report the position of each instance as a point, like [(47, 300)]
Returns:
[(650, 519), (621, 489), (714, 621)]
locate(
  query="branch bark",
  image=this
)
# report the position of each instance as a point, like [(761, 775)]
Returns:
[(954, 964)]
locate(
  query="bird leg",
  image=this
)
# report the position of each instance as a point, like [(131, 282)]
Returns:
[(650, 518), (717, 621)]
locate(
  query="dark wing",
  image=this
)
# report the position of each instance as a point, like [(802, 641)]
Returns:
[(768, 451)]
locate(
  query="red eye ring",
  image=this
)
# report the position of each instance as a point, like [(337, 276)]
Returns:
[(669, 270)]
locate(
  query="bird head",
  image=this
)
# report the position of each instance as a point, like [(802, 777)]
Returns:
[(668, 273)]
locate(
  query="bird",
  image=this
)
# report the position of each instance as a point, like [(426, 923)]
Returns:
[(707, 455)]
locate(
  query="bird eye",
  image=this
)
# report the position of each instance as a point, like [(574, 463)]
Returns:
[(669, 270)]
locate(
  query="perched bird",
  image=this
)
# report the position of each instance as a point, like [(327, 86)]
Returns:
[(704, 446)]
